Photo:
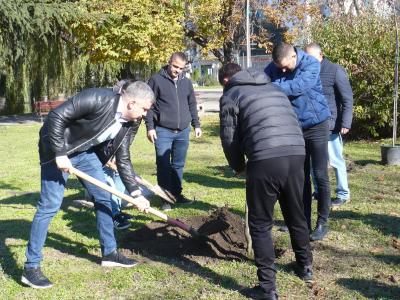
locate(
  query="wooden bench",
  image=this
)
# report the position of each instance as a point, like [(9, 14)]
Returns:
[(42, 108)]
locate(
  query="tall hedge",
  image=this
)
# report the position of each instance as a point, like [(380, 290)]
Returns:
[(365, 47)]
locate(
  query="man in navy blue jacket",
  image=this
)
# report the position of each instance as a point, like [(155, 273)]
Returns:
[(168, 124), (338, 92), (297, 74)]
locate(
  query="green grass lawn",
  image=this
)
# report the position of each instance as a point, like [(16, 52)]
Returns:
[(357, 260)]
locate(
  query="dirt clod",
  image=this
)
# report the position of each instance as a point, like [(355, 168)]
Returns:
[(223, 238)]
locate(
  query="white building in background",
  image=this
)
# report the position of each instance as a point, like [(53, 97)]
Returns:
[(206, 67)]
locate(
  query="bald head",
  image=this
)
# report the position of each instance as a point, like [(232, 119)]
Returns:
[(314, 50)]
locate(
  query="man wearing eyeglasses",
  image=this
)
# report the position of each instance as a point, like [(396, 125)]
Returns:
[(168, 124)]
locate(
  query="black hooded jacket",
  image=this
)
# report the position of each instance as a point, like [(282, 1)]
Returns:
[(257, 120), (175, 107)]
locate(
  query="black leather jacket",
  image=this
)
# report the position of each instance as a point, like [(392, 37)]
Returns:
[(74, 126)]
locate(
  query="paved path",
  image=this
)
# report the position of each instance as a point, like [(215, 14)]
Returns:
[(19, 119), (210, 99)]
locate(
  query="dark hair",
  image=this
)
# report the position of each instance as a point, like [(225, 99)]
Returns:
[(122, 85), (180, 55), (227, 71), (281, 51)]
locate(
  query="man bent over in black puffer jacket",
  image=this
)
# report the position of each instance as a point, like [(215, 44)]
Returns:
[(258, 122)]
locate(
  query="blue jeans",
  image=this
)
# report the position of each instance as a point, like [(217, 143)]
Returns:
[(336, 160), (114, 180), (53, 183), (171, 148)]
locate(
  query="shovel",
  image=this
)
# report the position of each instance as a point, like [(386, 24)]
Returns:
[(157, 190), (169, 220)]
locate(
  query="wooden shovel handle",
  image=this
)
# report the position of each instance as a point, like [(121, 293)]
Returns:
[(115, 192), (156, 189)]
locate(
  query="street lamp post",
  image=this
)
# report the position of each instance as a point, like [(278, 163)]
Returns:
[(248, 50)]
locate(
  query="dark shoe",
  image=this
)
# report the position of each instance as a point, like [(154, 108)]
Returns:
[(35, 278), (339, 201), (305, 273), (125, 216), (319, 232), (117, 259), (283, 228), (258, 293), (120, 223), (180, 199)]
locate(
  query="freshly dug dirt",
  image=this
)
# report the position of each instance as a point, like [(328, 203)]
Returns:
[(222, 238)]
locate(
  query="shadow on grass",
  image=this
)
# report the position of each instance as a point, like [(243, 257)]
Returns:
[(364, 162), (13, 231), (211, 129), (213, 181), (8, 187), (371, 288), (191, 266), (386, 224), (82, 221), (356, 256)]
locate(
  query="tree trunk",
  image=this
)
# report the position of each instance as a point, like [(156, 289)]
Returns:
[(250, 252)]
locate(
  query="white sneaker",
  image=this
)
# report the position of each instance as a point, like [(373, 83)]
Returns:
[(166, 207)]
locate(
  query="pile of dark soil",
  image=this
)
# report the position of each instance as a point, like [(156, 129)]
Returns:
[(222, 232)]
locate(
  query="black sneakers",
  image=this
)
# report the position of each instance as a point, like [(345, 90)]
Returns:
[(258, 293), (180, 199), (35, 278), (120, 222), (319, 232), (305, 273), (339, 201), (126, 216), (117, 259)]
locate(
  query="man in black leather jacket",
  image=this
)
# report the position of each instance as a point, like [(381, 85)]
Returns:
[(85, 132)]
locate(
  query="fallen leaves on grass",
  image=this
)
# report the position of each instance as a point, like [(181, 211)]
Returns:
[(379, 197), (396, 243), (377, 250), (317, 290), (279, 252), (394, 278)]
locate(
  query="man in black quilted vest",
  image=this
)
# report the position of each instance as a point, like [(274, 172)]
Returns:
[(338, 92), (258, 122)]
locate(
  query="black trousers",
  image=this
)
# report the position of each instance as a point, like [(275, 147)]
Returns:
[(266, 181), (316, 140)]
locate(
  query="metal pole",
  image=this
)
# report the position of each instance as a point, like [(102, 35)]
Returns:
[(396, 80), (248, 49)]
